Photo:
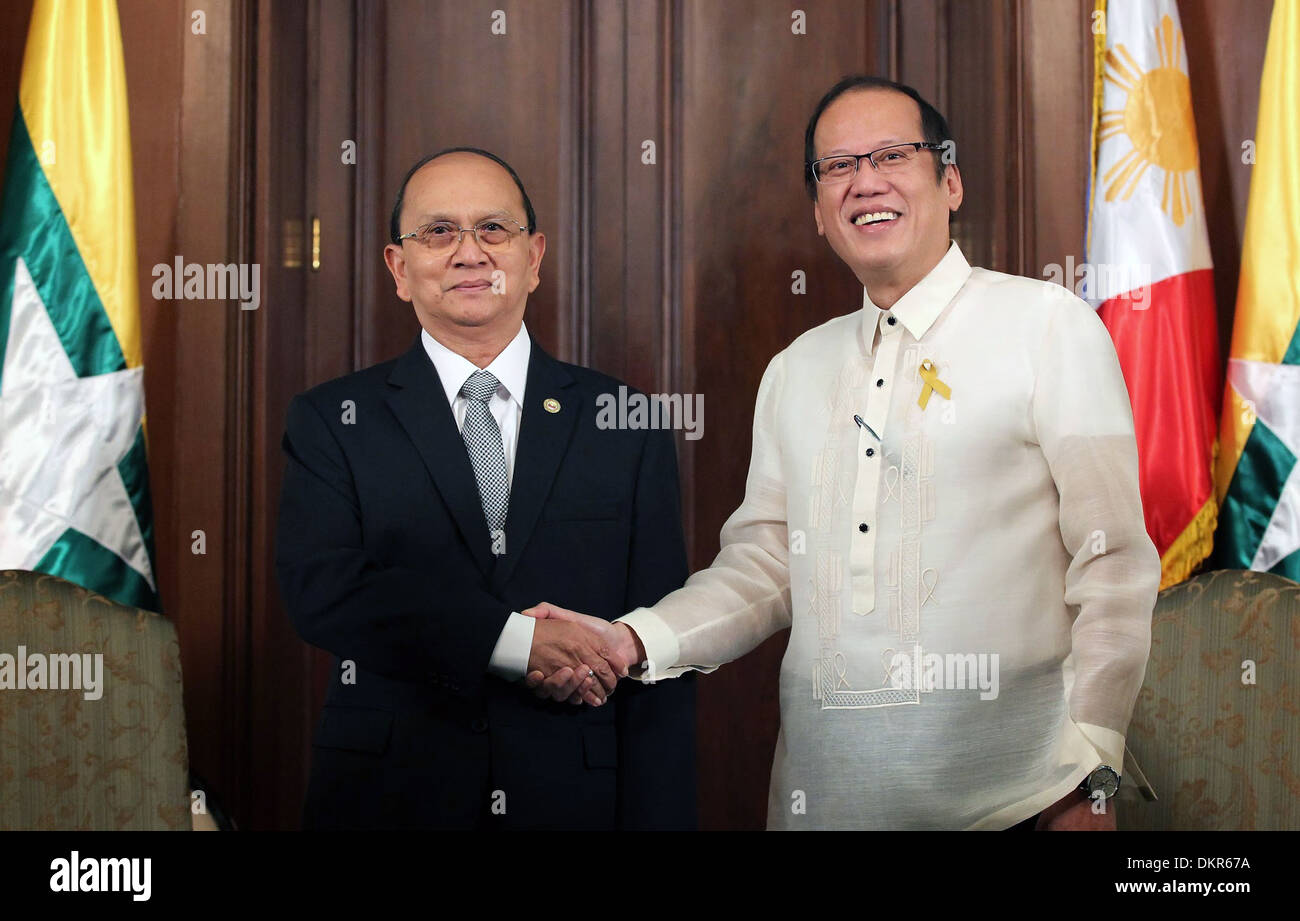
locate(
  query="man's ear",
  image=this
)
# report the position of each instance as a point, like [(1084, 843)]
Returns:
[(396, 263), (953, 188), (817, 216), (536, 250)]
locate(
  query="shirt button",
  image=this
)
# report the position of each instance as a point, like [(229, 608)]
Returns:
[(479, 725), (891, 321), (871, 452), (880, 382), (864, 527)]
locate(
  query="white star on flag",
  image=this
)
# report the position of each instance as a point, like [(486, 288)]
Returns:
[(61, 440)]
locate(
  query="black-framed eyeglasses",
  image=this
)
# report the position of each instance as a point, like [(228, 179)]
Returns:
[(842, 167), (489, 233)]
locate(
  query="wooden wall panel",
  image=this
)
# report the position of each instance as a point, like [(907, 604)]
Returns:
[(1225, 53), (209, 393), (919, 56), (628, 66), (982, 101), (1056, 62), (449, 81), (746, 225), (302, 332), (13, 39)]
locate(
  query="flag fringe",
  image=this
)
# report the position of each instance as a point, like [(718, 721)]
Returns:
[(1191, 547), (1098, 97)]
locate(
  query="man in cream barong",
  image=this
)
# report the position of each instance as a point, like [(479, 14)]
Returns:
[(942, 504)]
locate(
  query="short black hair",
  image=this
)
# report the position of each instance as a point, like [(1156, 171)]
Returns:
[(394, 232), (934, 128)]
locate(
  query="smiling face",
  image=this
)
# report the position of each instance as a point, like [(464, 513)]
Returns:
[(891, 229), (453, 291)]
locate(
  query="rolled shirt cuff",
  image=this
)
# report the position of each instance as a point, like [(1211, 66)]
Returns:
[(661, 648), (509, 660), (1108, 743)]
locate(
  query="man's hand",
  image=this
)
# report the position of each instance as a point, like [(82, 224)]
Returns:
[(1073, 812), (563, 655), (616, 644)]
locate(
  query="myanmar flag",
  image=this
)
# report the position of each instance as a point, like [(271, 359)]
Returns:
[(1149, 271), (1258, 478), (74, 485)]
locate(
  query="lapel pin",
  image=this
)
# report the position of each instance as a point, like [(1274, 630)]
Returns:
[(930, 375), (551, 405)]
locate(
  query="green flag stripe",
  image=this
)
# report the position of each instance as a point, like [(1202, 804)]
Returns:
[(1289, 567), (1253, 494), (134, 469), (1292, 356), (32, 226), (87, 562)]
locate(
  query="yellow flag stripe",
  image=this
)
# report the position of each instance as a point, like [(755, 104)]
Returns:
[(1268, 294), (73, 98)]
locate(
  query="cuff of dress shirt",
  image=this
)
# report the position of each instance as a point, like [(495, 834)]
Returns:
[(1108, 742), (515, 644), (661, 648)]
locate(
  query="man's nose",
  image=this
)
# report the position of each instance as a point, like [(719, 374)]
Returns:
[(867, 181), (468, 252)]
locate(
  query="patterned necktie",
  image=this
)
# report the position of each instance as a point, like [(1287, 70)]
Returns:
[(486, 454)]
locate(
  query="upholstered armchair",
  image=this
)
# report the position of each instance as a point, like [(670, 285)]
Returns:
[(1216, 728), (68, 762)]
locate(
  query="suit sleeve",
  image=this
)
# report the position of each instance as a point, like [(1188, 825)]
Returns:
[(417, 625), (656, 723), (658, 555)]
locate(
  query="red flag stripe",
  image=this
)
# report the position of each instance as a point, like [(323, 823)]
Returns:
[(1169, 353)]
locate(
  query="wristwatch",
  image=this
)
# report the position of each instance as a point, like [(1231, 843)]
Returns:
[(1104, 780)]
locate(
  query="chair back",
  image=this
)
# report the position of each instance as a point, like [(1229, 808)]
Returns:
[(74, 756), (1216, 728)]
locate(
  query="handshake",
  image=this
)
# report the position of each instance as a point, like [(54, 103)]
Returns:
[(576, 657)]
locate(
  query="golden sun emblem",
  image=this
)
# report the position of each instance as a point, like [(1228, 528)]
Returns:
[(1157, 119)]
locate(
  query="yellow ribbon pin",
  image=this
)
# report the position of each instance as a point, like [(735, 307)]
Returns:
[(932, 383)]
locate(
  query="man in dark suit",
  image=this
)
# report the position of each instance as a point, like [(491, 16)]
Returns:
[(428, 500)]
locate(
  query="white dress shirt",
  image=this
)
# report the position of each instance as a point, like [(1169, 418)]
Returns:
[(510, 655), (1003, 519)]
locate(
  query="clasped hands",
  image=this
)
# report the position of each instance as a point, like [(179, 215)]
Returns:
[(576, 657)]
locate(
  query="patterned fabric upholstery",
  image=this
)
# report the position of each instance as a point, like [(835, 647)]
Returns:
[(119, 762), (1219, 752)]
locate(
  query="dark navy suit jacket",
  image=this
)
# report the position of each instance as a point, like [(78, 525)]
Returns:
[(384, 560)]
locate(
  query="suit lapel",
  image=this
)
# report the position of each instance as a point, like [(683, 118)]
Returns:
[(417, 399), (543, 439)]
